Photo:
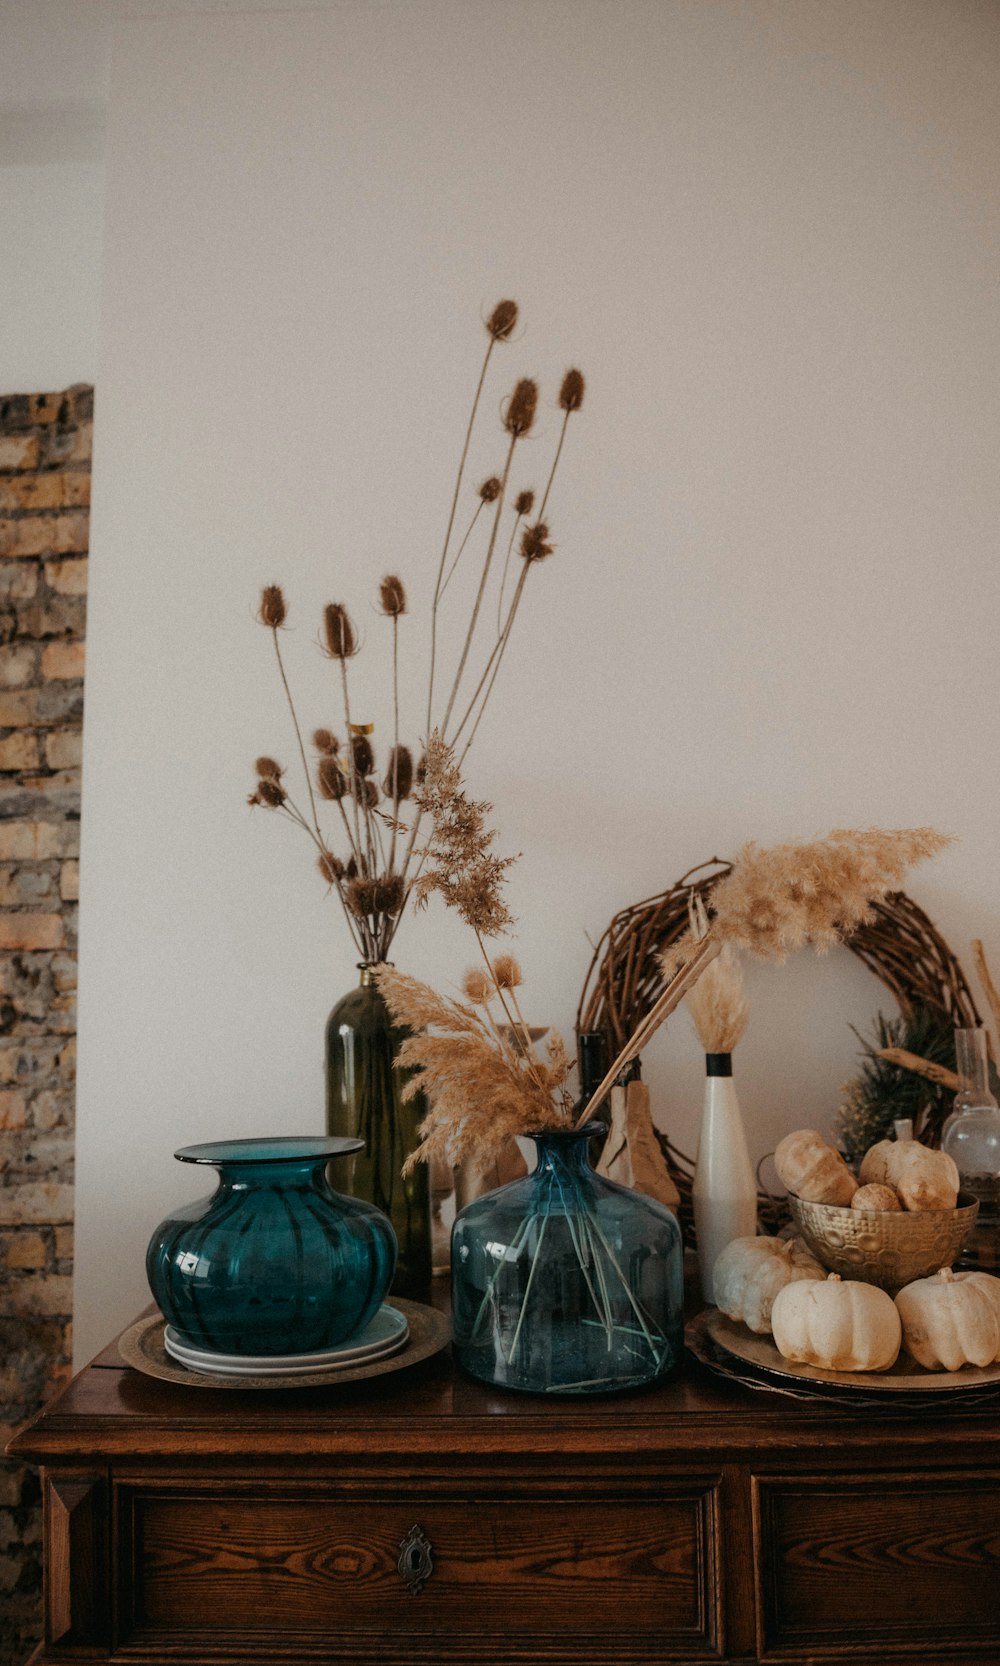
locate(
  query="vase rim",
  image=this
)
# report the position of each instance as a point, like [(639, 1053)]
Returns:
[(277, 1148), (586, 1132)]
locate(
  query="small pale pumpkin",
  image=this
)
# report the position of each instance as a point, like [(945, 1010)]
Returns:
[(951, 1319), (921, 1178), (877, 1200), (750, 1271), (840, 1324), (812, 1169)]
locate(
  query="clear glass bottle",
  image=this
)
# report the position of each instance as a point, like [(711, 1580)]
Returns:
[(971, 1135)]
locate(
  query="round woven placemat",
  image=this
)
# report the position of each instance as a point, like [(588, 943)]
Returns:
[(141, 1346)]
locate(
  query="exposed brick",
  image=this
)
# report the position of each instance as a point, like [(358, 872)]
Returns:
[(18, 451), (32, 491), (19, 579), (62, 660), (69, 577), (63, 1243), (63, 749), (60, 702), (64, 971), (13, 1109), (25, 1250), (19, 665), (51, 1295), (35, 535), (51, 1110), (25, 887), (43, 1201), (69, 881), (19, 751), (18, 708), (54, 616), (36, 841), (49, 407), (31, 931), (72, 447), (72, 535)]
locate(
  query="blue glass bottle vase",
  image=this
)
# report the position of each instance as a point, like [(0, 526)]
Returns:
[(565, 1283), (275, 1261)]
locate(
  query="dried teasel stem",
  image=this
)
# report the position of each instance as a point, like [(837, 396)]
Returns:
[(499, 328), (295, 720), (515, 435), (673, 994), (522, 506)]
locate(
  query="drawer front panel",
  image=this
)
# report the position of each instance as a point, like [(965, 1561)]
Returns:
[(905, 1560), (532, 1567)]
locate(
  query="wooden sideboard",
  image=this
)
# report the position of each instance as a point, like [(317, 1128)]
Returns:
[(700, 1521)]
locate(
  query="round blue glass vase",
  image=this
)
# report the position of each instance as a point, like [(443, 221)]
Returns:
[(275, 1261), (565, 1283)]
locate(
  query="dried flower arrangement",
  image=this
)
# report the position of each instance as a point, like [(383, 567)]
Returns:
[(373, 862), (717, 1003), (485, 1080)]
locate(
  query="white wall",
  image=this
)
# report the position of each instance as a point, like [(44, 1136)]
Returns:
[(53, 96), (768, 234)]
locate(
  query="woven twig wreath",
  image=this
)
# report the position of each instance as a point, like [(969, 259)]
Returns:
[(901, 946)]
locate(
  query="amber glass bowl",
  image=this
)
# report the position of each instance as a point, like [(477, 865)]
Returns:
[(889, 1249)]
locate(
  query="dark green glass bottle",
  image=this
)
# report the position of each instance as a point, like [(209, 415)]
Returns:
[(364, 1087)]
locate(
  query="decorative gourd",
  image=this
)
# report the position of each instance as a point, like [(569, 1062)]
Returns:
[(923, 1179), (750, 1271), (874, 1169), (877, 1200), (839, 1324), (812, 1169), (951, 1320)]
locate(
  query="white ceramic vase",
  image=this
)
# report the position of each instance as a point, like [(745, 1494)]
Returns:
[(725, 1189)]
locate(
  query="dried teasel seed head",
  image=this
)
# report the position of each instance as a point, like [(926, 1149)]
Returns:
[(502, 320), (392, 596), (330, 778), (366, 793), (269, 768), (270, 793), (361, 897), (325, 740), (420, 773), (524, 503), (507, 972), (351, 870), (253, 799), (341, 642), (476, 986), (398, 780), (390, 894), (522, 407), (572, 390), (534, 544), (362, 753), (331, 867), (272, 611), (489, 491)]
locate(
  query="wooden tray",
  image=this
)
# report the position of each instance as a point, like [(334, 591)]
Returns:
[(142, 1347)]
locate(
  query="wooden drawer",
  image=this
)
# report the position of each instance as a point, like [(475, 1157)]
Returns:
[(605, 1574), (892, 1563)]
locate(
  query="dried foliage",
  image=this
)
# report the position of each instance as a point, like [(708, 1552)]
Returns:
[(882, 1091), (463, 867), (379, 825), (482, 1089), (717, 1004)]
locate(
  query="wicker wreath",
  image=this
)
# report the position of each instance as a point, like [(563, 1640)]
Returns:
[(900, 945)]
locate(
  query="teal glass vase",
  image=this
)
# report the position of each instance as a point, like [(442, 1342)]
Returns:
[(565, 1283), (364, 1101), (274, 1262)]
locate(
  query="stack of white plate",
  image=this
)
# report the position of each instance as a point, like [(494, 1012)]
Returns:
[(387, 1333)]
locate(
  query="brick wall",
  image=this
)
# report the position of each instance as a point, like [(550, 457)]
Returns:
[(44, 498)]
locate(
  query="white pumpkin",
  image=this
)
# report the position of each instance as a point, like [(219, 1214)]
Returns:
[(876, 1200), (812, 1169), (750, 1271), (874, 1170), (840, 1324), (951, 1319), (923, 1179)]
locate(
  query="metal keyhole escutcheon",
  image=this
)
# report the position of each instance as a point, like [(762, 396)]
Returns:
[(415, 1565)]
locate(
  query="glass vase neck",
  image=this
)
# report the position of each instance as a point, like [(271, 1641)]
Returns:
[(973, 1069), (369, 970), (565, 1148)]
